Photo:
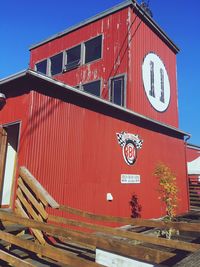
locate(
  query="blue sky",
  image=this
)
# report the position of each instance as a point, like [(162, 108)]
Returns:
[(23, 23)]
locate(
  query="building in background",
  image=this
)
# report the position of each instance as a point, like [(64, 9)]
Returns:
[(95, 114), (193, 167)]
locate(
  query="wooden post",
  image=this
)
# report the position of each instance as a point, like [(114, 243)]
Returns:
[(3, 148)]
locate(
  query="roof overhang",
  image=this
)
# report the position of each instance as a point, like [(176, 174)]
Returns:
[(30, 80), (192, 146), (127, 3)]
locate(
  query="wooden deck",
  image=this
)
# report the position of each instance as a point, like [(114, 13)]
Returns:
[(42, 232)]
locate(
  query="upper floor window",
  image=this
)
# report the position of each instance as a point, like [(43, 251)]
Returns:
[(42, 66), (56, 64), (83, 53), (93, 49), (73, 57), (117, 90), (93, 88)]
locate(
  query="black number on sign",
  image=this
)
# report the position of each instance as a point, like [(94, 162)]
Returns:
[(152, 91), (162, 85)]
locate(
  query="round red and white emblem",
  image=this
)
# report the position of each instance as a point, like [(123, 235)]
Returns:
[(130, 152)]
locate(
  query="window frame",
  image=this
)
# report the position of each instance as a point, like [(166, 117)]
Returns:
[(65, 58), (47, 67), (49, 61), (124, 76), (81, 87), (84, 48)]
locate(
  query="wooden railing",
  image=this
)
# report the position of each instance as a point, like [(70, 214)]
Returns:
[(32, 200), (87, 230)]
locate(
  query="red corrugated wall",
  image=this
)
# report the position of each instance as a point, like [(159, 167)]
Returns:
[(73, 150), (126, 41), (114, 31), (74, 153), (144, 41)]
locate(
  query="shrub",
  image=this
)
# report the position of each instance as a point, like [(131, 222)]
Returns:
[(168, 194)]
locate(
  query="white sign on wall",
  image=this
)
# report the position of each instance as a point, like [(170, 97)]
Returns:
[(156, 82), (130, 179), (113, 260)]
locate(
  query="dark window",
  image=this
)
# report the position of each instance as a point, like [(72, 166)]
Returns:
[(117, 94), (42, 66), (73, 57), (93, 49), (92, 88), (56, 64)]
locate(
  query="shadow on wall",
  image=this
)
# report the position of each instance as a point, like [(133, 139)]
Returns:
[(136, 208)]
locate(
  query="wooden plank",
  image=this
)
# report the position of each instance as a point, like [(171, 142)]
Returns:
[(19, 253), (194, 195), (194, 208), (182, 226), (121, 247), (193, 202), (28, 207), (14, 228), (116, 246), (50, 263), (37, 233), (48, 251), (194, 185), (194, 191), (37, 188), (130, 235), (38, 206), (14, 261), (195, 199)]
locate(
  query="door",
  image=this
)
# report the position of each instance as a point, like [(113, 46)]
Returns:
[(10, 159), (3, 150)]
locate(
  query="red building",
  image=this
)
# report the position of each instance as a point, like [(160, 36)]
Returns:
[(95, 113)]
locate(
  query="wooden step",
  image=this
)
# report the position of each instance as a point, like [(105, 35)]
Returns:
[(19, 253), (15, 228)]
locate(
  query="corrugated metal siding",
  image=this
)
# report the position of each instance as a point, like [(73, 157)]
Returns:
[(127, 40), (74, 153), (114, 60), (144, 41)]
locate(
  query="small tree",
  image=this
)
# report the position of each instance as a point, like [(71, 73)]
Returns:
[(168, 193), (136, 208)]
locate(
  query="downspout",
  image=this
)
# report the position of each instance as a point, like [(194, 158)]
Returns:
[(186, 170)]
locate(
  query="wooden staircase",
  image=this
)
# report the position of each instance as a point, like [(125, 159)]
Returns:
[(194, 193)]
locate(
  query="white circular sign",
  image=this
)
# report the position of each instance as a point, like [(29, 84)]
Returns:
[(156, 82)]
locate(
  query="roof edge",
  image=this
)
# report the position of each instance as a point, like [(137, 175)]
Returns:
[(152, 22), (196, 147), (109, 11), (85, 22), (13, 76), (89, 96)]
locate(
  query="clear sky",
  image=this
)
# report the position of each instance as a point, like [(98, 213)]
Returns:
[(23, 23)]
